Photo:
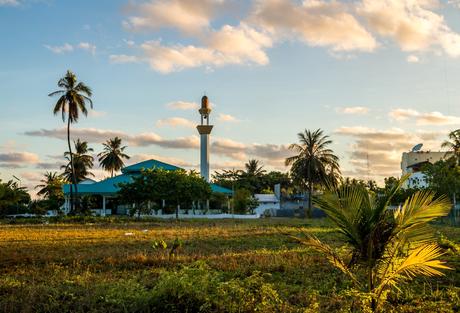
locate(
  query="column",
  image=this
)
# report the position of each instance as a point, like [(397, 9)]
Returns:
[(103, 205)]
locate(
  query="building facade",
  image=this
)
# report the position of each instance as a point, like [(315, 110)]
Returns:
[(412, 163)]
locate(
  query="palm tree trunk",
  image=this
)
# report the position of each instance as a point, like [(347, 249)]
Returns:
[(310, 190), (74, 180)]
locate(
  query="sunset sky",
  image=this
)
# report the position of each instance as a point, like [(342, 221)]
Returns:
[(379, 76)]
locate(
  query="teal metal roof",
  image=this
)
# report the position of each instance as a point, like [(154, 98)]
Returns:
[(104, 187), (135, 168), (219, 189), (109, 186)]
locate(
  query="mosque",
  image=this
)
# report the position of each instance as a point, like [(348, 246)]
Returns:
[(107, 189)]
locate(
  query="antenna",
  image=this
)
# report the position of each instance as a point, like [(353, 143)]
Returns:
[(417, 147)]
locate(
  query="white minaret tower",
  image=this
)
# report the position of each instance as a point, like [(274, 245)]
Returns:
[(205, 130)]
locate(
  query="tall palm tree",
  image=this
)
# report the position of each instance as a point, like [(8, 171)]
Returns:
[(51, 185), (314, 163), (82, 162), (73, 98), (254, 168), (453, 144), (111, 159), (386, 246)]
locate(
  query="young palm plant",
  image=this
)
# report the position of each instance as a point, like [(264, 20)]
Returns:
[(73, 98), (387, 247), (111, 159)]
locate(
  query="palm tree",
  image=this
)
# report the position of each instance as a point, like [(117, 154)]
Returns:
[(453, 144), (51, 186), (254, 168), (314, 163), (111, 159), (386, 247), (82, 162), (74, 96)]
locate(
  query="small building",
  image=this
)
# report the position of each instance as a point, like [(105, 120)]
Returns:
[(267, 202), (413, 162), (107, 189)]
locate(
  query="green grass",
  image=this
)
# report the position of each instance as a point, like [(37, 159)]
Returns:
[(232, 266)]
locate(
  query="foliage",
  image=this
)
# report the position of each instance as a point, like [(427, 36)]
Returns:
[(13, 198), (218, 201), (244, 202), (314, 164), (254, 178), (111, 159), (453, 144), (156, 185), (73, 98), (86, 264), (443, 177), (51, 191), (82, 161), (387, 248)]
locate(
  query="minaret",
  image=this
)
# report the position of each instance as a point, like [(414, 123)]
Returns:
[(205, 130)]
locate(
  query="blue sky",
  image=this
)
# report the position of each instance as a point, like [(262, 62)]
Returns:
[(378, 76)]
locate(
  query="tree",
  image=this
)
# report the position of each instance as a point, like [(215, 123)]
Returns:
[(13, 198), (82, 162), (111, 159), (443, 177), (453, 144), (386, 247), (314, 162), (243, 201), (51, 190), (73, 98)]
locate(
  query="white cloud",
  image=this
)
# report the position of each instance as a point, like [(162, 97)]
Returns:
[(226, 118), (176, 122), (9, 2), (189, 16), (96, 114), (319, 23), (88, 47), (424, 118), (19, 157), (60, 49), (182, 105), (413, 24), (230, 45), (358, 110), (123, 58), (413, 59)]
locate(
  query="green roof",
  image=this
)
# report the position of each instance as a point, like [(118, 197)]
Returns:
[(136, 168), (109, 186)]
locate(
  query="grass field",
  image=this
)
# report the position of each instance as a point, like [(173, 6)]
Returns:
[(221, 266)]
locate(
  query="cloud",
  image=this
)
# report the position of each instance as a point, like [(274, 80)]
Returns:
[(19, 158), (412, 24), (60, 49), (88, 47), (50, 165), (94, 135), (189, 16), (176, 122), (66, 48), (183, 105), (123, 58), (377, 153), (9, 3), (230, 45), (319, 23), (423, 119), (413, 59), (226, 118), (358, 110), (96, 114)]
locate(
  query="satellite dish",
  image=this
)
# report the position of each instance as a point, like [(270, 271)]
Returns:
[(417, 148)]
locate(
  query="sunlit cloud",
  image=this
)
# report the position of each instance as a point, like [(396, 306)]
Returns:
[(424, 118), (176, 122), (357, 110)]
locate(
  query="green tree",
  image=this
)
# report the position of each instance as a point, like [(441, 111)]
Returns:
[(243, 201), (443, 177), (314, 163), (453, 144), (82, 162), (51, 191), (73, 98), (13, 198), (111, 159), (386, 247)]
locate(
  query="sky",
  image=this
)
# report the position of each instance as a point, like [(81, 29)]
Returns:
[(378, 76)]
